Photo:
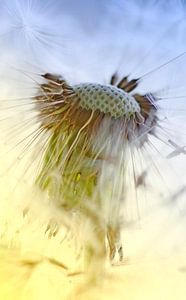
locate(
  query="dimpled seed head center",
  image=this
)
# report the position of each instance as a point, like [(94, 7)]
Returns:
[(107, 99)]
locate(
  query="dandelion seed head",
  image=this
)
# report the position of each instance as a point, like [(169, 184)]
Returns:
[(107, 99), (96, 145), (73, 105)]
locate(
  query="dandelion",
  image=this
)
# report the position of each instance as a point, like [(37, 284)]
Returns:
[(93, 133), (93, 129), (95, 137)]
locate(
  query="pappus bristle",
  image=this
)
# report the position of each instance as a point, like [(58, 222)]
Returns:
[(30, 23)]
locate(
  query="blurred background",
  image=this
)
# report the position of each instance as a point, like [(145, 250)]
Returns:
[(88, 41)]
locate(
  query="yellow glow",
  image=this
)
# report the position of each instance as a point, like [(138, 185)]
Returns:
[(154, 269)]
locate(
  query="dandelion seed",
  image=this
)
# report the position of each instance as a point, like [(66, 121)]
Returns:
[(178, 149), (141, 179)]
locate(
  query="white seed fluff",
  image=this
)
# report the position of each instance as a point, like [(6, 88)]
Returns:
[(107, 99)]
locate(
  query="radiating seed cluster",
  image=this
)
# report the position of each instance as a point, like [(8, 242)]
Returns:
[(107, 99)]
